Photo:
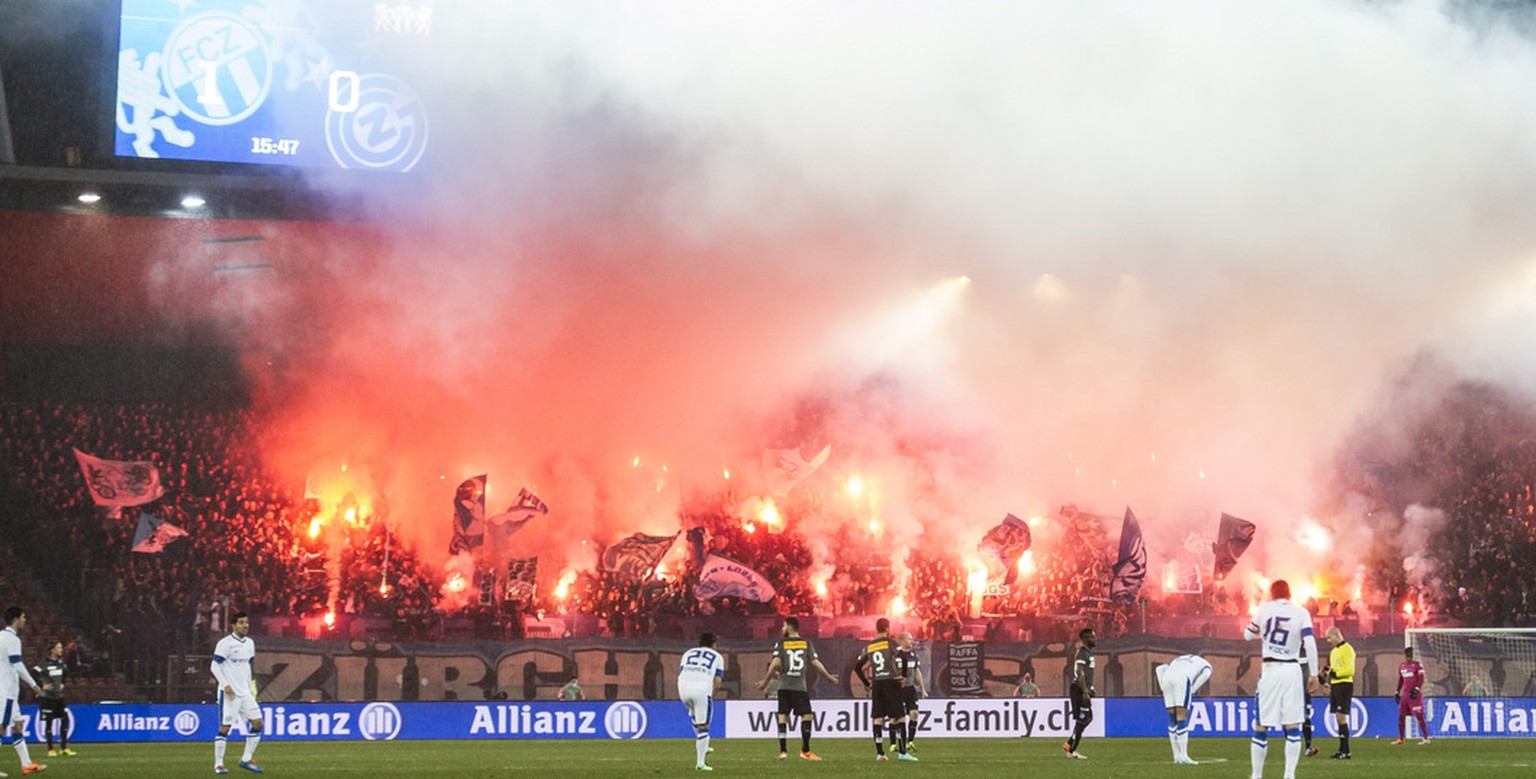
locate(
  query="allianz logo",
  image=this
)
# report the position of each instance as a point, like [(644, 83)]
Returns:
[(376, 722), (185, 722)]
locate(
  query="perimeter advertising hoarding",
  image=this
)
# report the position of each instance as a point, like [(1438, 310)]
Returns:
[(834, 718)]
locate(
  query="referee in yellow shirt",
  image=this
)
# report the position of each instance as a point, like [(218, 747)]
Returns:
[(1340, 678)]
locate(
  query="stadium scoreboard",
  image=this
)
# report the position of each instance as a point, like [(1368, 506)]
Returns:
[(315, 83)]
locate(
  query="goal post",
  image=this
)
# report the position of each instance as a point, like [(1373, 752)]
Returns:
[(1475, 662)]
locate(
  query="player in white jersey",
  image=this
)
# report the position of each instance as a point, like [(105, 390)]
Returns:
[(12, 673), (231, 666), (698, 680), (1179, 679), (1284, 630)]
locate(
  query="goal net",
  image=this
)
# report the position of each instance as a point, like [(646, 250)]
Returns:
[(1476, 662)]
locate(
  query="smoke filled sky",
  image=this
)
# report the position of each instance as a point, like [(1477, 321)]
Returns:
[(1113, 253)]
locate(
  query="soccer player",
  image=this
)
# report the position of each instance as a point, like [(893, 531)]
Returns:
[(1340, 678), (915, 686), (886, 707), (1410, 696), (1285, 632), (1306, 724), (1179, 679), (12, 673), (232, 660), (51, 671), (698, 680), (1082, 690), (792, 656)]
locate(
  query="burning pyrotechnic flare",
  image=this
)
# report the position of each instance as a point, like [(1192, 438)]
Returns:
[(898, 606)]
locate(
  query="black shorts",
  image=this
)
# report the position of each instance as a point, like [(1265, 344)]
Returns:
[(795, 702), (885, 699), (54, 706), (909, 697), (1339, 696), (1082, 705)]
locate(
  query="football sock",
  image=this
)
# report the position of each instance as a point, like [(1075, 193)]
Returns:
[(64, 730), (1306, 733), (1344, 738), (219, 743), (805, 735), (783, 737), (1258, 750), (1173, 734), (1423, 726), (879, 739), (901, 737), (701, 745), (250, 746), (911, 730), (21, 751), (1183, 728), (1292, 750)]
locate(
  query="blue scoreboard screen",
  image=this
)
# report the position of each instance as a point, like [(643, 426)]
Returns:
[(319, 83)]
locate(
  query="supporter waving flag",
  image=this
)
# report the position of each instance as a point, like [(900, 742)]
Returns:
[(526, 507), (634, 558), (155, 534), (1131, 567), (1232, 539), (468, 515), (722, 576), (1007, 542), (117, 483)]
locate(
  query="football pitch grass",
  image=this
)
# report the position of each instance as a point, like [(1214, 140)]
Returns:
[(1137, 758)]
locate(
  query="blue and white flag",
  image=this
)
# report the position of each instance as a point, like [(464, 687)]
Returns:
[(786, 467), (116, 483), (1007, 542), (722, 577), (1131, 567), (155, 534), (526, 507)]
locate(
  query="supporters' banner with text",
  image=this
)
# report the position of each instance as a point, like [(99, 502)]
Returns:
[(522, 579), (526, 507), (468, 515), (634, 558), (117, 483), (155, 534), (1232, 539), (786, 467), (1131, 566), (963, 671), (723, 577), (1007, 542)]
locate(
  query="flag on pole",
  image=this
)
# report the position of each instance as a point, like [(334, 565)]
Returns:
[(117, 483), (522, 579), (1232, 539), (468, 515), (786, 467), (697, 542), (1131, 567), (1007, 542), (722, 576), (155, 534), (526, 507), (635, 558)]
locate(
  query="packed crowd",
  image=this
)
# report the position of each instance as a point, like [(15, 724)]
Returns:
[(248, 544)]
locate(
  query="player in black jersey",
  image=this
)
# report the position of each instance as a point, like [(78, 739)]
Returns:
[(886, 706), (1082, 690), (793, 656)]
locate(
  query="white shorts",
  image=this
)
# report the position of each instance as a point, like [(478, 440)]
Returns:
[(10, 712), (700, 703), (1281, 699), (241, 707), (1178, 687)]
